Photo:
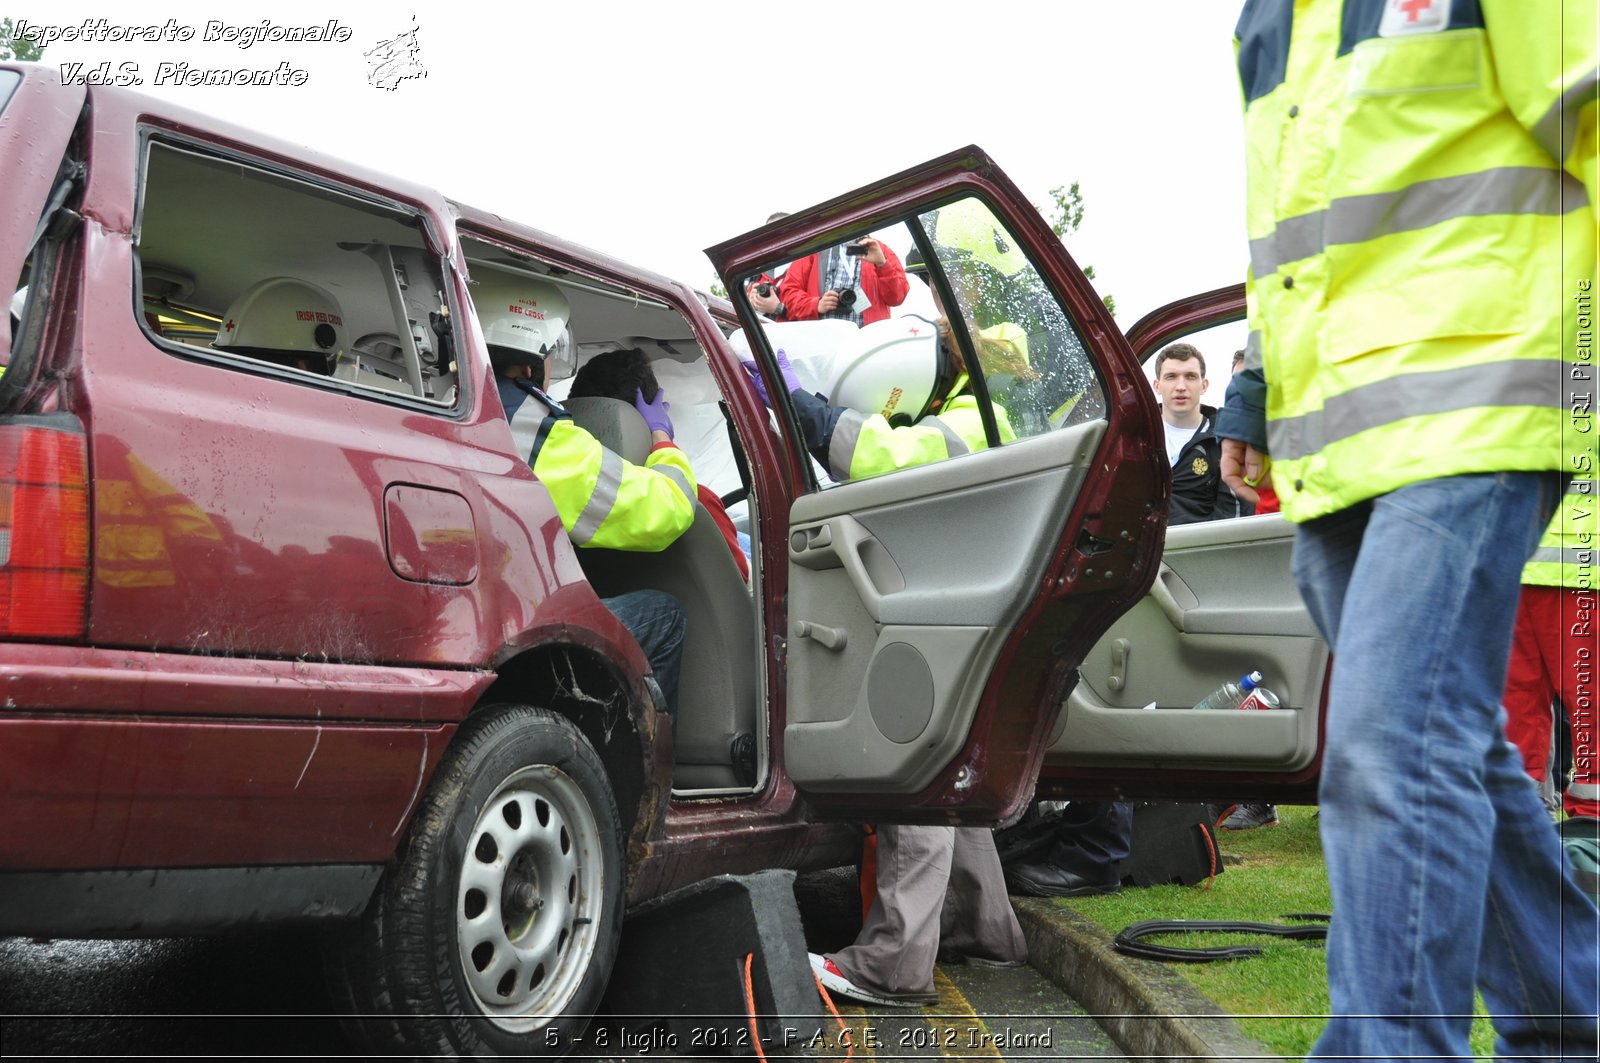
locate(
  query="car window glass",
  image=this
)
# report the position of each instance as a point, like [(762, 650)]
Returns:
[(970, 349), (17, 302), (1029, 353), (259, 272)]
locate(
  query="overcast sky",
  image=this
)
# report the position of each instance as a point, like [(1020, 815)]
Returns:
[(652, 130)]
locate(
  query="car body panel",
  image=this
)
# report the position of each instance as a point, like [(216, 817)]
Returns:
[(188, 538), (188, 793)]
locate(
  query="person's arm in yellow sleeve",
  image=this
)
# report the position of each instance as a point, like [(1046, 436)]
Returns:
[(1545, 63), (606, 501)]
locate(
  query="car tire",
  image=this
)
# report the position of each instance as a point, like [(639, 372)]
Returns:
[(496, 925)]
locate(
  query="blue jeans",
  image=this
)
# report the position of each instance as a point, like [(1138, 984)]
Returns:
[(1445, 869), (656, 622)]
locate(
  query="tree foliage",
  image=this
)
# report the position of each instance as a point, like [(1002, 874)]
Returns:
[(1068, 209), (14, 47), (1065, 214)]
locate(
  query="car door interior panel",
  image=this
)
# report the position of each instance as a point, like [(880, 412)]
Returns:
[(970, 476), (888, 623), (1223, 604)]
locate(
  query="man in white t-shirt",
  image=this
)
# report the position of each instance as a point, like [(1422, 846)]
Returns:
[(1198, 493)]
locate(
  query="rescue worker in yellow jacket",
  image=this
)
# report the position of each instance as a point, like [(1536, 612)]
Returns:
[(900, 394), (1421, 177), (602, 499), (901, 397)]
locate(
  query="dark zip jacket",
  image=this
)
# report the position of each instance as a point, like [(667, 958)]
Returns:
[(1198, 493)]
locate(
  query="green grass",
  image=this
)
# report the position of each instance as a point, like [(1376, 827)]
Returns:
[(1280, 998)]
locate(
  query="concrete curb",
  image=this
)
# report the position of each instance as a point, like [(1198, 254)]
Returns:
[(1149, 1009)]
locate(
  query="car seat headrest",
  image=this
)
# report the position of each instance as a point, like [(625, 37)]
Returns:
[(616, 424)]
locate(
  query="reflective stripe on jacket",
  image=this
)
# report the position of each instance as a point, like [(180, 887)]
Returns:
[(856, 444), (1565, 556), (603, 500), (1420, 186)]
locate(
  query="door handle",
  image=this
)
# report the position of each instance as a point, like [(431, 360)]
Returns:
[(1172, 596), (841, 542), (830, 638), (1121, 650)]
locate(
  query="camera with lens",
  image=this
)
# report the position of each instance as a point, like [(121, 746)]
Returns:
[(847, 299), (855, 250), (764, 289)]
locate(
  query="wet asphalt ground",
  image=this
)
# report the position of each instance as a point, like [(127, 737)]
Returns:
[(262, 995)]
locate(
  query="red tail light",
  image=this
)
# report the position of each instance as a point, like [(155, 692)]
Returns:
[(44, 531)]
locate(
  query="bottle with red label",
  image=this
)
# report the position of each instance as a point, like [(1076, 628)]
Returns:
[(1230, 695)]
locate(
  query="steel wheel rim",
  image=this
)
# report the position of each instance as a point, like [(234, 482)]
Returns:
[(530, 898)]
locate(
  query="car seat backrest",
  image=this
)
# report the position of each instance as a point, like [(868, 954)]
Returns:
[(616, 424), (717, 691)]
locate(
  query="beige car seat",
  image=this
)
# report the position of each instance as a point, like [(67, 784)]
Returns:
[(717, 693)]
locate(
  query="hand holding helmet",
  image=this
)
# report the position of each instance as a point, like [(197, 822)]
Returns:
[(791, 379), (654, 411)]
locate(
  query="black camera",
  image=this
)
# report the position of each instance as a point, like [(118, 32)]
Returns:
[(847, 299), (855, 250), (764, 289)]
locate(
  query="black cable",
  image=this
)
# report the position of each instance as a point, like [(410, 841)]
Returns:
[(1129, 944)]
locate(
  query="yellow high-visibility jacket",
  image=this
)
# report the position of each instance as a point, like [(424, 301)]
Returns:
[(1566, 554), (858, 444), (1421, 181), (603, 500)]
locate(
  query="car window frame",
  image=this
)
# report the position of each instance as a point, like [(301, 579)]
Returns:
[(435, 245), (896, 214)]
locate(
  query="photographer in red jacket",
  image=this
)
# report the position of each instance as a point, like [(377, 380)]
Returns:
[(859, 281)]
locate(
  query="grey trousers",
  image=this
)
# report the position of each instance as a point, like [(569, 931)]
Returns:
[(938, 887)]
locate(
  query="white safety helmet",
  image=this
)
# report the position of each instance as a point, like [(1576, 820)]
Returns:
[(286, 321), (896, 368), (524, 321)]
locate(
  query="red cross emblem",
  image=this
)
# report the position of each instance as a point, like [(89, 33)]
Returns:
[(1404, 17), (229, 326)]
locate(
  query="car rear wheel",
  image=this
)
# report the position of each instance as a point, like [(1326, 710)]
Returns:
[(495, 928)]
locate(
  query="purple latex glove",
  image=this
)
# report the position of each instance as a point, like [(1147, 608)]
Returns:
[(791, 380), (654, 412)]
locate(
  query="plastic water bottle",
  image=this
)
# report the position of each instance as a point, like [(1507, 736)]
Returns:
[(1231, 695)]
